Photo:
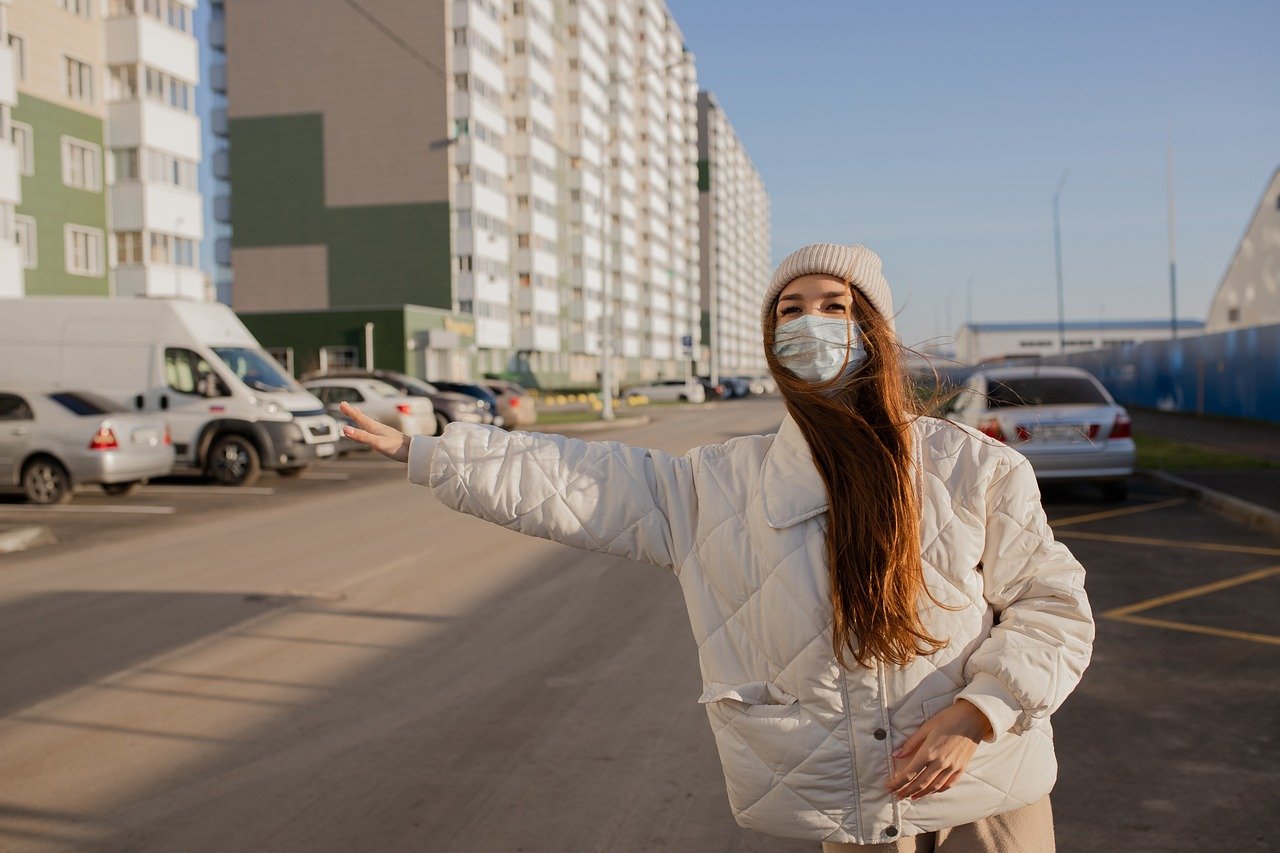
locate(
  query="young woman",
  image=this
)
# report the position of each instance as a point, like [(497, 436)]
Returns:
[(884, 621)]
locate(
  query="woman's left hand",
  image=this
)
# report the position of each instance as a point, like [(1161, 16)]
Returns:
[(938, 752)]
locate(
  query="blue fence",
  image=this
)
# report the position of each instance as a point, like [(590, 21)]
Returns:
[(1234, 373)]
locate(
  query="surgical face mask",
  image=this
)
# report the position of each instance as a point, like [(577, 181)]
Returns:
[(815, 348)]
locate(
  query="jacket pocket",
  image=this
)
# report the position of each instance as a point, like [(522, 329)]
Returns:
[(931, 707), (755, 698)]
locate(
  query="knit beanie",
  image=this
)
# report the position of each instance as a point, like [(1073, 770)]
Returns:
[(857, 265)]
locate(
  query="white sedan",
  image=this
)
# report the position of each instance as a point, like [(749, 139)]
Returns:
[(1061, 418), (671, 390), (379, 400)]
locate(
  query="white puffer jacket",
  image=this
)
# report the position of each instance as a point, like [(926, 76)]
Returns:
[(806, 744)]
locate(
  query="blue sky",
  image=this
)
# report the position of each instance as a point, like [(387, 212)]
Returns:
[(935, 133)]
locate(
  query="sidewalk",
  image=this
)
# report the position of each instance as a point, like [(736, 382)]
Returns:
[(1257, 486)]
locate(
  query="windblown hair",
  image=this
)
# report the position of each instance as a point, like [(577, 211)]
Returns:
[(859, 431)]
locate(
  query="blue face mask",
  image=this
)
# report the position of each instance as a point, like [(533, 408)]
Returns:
[(815, 348)]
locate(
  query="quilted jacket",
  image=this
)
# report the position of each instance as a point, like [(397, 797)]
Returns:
[(806, 744)]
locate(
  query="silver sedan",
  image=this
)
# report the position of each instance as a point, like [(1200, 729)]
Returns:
[(53, 440), (379, 400)]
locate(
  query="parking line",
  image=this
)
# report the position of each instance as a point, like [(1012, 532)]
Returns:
[(208, 491), (1171, 543), (1225, 633), (123, 510), (1193, 592), (1113, 513), (323, 476)]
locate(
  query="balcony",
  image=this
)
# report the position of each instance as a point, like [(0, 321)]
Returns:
[(136, 206), (11, 284), (8, 94), (131, 124), (539, 338), (218, 77), (140, 39), (159, 280), (10, 182)]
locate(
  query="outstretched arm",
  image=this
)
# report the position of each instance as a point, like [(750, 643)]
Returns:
[(596, 495)]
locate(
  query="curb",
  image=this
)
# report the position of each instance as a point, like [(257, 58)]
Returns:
[(25, 538), (1250, 514), (595, 426)]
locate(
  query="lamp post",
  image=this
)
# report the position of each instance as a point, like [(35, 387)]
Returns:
[(1173, 243), (1057, 256), (606, 338)]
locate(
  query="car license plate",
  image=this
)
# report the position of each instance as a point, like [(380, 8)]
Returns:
[(324, 450), (1059, 432)]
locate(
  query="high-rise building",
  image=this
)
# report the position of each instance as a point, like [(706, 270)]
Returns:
[(106, 139), (11, 257), (734, 232), (526, 170), (218, 158)]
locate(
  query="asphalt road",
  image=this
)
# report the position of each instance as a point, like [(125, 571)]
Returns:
[(342, 664)]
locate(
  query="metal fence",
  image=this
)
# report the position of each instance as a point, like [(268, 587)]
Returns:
[(1234, 373)]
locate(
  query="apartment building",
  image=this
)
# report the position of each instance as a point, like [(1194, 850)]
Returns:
[(11, 259), (734, 231), (218, 158), (107, 142), (525, 169)]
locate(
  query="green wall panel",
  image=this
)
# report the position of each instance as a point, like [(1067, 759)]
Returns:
[(53, 204)]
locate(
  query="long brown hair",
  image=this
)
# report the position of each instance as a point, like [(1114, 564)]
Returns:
[(859, 431)]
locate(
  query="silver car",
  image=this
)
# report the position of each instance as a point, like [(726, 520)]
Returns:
[(53, 440), (378, 400), (1061, 418)]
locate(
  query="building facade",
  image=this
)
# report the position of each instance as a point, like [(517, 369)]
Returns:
[(107, 143), (530, 165), (985, 342), (1249, 294), (734, 231), (12, 268)]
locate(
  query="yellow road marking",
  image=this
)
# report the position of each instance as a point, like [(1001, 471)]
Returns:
[(1173, 543), (1201, 629), (1194, 592), (1112, 513)]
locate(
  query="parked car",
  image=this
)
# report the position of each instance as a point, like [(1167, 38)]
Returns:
[(1061, 418), (449, 405), (718, 391), (486, 402), (232, 410), (54, 440), (515, 404), (763, 385), (738, 385), (379, 400), (670, 390)]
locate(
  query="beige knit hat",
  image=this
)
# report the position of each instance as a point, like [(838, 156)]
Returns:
[(857, 265)]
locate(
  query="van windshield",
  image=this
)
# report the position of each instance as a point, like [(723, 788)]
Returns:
[(256, 369)]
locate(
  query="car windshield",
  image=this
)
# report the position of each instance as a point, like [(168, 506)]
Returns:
[(82, 403), (1043, 391), (256, 369), (382, 389), (418, 387)]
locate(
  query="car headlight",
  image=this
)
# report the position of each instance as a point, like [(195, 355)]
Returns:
[(267, 407)]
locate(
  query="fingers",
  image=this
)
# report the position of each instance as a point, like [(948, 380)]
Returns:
[(366, 422), (922, 783), (912, 743)]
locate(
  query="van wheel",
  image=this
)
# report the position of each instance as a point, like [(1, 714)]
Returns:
[(122, 490), (46, 482), (1114, 491), (293, 472), (441, 423), (233, 461)]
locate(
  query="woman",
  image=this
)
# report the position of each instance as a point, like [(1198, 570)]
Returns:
[(884, 621)]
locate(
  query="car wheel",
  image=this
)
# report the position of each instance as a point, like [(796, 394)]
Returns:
[(46, 482), (1114, 491), (297, 471), (122, 490), (684, 398), (233, 461), (441, 423)]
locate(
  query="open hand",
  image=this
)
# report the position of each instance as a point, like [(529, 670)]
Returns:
[(391, 443), (933, 758)]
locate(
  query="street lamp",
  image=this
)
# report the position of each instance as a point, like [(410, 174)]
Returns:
[(1057, 255), (606, 342)]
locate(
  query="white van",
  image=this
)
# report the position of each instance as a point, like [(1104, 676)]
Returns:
[(232, 409)]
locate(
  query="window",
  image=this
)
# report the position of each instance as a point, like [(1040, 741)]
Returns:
[(83, 250), (126, 164), (14, 408), (1044, 391), (24, 233), (186, 371), (18, 45), (78, 77), (168, 90), (24, 140), (83, 403), (128, 248), (338, 358), (179, 17), (1233, 315), (173, 171), (80, 167), (122, 82), (170, 249), (82, 8)]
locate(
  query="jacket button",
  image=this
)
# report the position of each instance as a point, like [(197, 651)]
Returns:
[(881, 734), (891, 831)]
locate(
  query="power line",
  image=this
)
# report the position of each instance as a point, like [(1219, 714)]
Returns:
[(389, 33)]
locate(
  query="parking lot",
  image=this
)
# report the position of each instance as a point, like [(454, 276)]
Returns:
[(336, 662)]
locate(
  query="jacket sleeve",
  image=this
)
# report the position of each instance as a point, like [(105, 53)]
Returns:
[(596, 495), (1043, 634)]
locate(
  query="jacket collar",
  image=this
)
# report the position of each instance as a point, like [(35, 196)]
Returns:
[(791, 489)]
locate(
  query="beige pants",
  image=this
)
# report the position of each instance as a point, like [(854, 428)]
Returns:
[(1025, 830)]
